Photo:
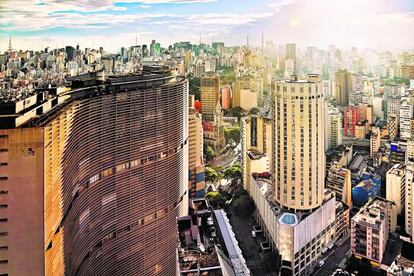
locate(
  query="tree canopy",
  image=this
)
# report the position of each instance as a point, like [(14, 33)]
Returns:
[(232, 135), (215, 199)]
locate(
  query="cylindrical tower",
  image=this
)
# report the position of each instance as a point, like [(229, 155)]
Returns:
[(116, 167), (298, 162)]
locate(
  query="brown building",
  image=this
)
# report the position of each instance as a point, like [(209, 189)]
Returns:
[(343, 87), (92, 179)]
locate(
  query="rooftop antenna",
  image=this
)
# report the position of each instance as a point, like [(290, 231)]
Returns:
[(200, 39), (136, 40)]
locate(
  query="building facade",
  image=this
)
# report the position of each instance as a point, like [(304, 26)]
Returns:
[(210, 95), (105, 177), (298, 159)]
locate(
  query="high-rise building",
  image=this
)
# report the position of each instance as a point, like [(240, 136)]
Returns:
[(210, 95), (409, 200), (195, 154), (291, 53), (365, 113), (393, 105), (343, 87), (298, 159), (94, 177), (334, 128), (339, 181), (351, 118), (409, 153), (406, 115), (256, 146), (392, 125), (370, 229), (375, 140), (395, 186), (226, 97), (377, 106)]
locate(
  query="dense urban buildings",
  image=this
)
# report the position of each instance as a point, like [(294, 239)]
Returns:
[(206, 157), (105, 176)]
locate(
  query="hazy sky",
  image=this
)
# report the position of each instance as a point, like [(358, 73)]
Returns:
[(35, 24)]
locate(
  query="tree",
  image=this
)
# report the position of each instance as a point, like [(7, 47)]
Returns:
[(211, 175), (254, 111), (194, 86), (233, 173), (232, 135), (208, 153), (215, 199), (235, 112)]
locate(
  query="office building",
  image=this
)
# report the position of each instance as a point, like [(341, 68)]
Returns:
[(343, 87), (370, 229), (210, 95), (395, 186), (94, 175), (298, 160)]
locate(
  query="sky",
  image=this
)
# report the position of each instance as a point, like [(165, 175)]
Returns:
[(36, 24)]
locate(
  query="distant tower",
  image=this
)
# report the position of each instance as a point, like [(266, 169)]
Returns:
[(262, 42), (247, 42), (10, 44)]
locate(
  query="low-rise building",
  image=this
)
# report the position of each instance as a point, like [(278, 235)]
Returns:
[(300, 238), (370, 229), (207, 245)]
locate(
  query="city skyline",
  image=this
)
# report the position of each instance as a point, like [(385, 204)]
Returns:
[(383, 24)]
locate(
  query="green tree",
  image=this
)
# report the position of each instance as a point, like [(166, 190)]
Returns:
[(235, 112), (215, 199), (208, 153), (211, 175), (232, 135), (233, 173), (194, 86), (254, 111)]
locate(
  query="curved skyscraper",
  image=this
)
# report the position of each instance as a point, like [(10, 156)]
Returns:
[(299, 149), (110, 167)]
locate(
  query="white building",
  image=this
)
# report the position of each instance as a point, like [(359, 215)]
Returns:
[(395, 186), (409, 200), (300, 238), (406, 115), (334, 128)]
